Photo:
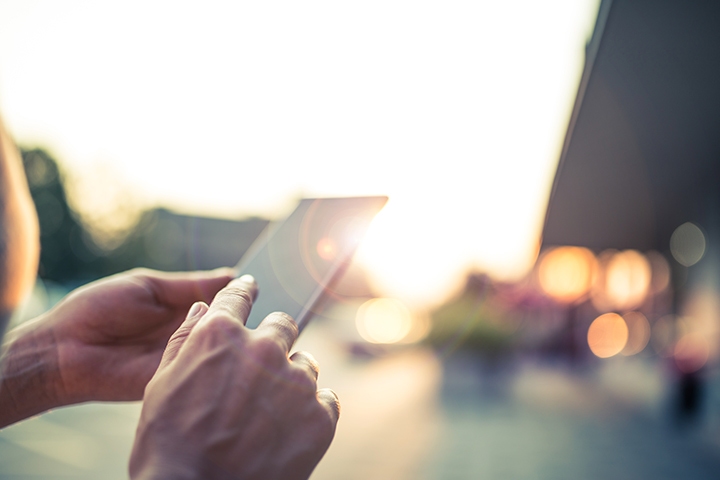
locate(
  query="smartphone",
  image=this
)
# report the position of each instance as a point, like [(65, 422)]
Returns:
[(296, 261)]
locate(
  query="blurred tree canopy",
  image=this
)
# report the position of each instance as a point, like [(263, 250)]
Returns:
[(67, 251), (160, 239), (473, 321)]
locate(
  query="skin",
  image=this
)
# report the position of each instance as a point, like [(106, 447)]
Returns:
[(104, 341), (266, 421), (220, 400), (19, 231)]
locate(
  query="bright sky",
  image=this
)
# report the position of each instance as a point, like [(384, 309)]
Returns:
[(455, 109)]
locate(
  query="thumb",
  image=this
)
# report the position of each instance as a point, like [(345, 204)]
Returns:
[(178, 338)]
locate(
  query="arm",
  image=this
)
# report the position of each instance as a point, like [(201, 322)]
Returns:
[(19, 254), (227, 402), (29, 375), (103, 341), (19, 231)]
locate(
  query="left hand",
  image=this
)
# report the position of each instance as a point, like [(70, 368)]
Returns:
[(104, 341)]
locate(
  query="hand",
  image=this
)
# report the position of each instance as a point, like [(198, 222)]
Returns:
[(227, 402), (104, 341)]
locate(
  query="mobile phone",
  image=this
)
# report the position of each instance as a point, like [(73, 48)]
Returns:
[(295, 262)]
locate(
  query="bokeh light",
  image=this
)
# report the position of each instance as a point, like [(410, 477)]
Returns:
[(607, 335), (420, 326), (383, 320), (623, 281), (567, 273), (638, 333), (687, 244), (691, 352), (662, 335), (627, 279), (660, 271)]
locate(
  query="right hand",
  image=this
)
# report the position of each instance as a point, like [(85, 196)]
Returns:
[(227, 402)]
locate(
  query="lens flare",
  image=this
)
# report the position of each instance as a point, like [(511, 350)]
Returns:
[(326, 249), (383, 320), (607, 335)]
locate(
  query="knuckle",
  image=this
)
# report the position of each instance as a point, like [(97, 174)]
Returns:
[(282, 317), (149, 280), (180, 334), (301, 380), (140, 272), (238, 293), (267, 350), (302, 357), (283, 323), (218, 326)]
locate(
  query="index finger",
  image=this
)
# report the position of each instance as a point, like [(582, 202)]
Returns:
[(235, 299), (281, 327)]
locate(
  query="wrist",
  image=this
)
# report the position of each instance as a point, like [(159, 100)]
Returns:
[(155, 464), (30, 381)]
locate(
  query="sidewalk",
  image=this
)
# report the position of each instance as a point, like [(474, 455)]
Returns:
[(410, 416), (548, 423)]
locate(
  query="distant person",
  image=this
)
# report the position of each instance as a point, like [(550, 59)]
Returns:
[(220, 400)]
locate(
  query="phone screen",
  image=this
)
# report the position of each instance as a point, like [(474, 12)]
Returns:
[(295, 262)]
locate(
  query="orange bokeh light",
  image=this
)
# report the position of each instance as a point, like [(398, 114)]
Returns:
[(567, 273), (607, 335), (326, 249), (624, 280), (638, 333), (660, 272)]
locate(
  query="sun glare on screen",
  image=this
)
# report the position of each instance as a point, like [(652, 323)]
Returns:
[(326, 249)]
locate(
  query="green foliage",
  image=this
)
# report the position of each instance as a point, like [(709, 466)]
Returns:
[(472, 321), (66, 249), (160, 239)]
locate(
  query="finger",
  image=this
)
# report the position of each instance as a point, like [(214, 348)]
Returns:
[(307, 362), (236, 299), (181, 289), (330, 401), (197, 311), (280, 326)]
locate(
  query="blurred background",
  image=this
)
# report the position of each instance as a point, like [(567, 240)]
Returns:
[(539, 298)]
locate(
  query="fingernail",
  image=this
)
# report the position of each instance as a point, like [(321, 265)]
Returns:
[(249, 279), (332, 392), (196, 308)]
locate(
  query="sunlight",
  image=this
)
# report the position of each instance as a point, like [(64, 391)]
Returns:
[(455, 111), (383, 320)]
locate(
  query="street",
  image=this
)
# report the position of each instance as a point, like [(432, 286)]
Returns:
[(410, 415)]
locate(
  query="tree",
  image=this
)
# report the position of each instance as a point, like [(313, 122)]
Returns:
[(66, 254)]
